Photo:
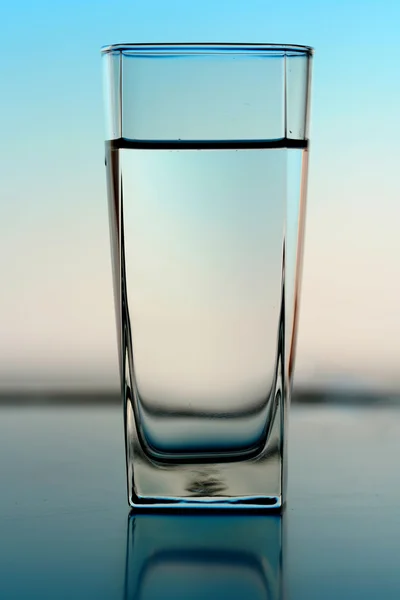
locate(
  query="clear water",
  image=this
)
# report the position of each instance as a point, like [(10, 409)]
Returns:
[(209, 253)]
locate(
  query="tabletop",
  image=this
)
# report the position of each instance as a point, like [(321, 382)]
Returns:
[(66, 531)]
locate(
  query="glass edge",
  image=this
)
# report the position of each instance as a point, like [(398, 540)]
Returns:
[(213, 47)]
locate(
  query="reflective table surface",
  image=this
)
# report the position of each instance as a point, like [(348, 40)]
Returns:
[(66, 532)]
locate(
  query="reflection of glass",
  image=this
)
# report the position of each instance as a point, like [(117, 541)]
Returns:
[(206, 157), (204, 557)]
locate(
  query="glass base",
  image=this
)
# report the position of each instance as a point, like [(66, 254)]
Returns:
[(253, 484), (268, 504)]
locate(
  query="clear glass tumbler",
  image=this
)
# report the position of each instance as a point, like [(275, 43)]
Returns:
[(206, 159)]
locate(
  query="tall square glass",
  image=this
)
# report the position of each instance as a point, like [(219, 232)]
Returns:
[(206, 159)]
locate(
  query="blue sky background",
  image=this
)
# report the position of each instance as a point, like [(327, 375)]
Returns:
[(57, 325)]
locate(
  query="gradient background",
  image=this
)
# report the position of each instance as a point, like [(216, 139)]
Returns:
[(56, 305)]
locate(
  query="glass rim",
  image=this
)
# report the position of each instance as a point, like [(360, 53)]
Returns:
[(207, 48)]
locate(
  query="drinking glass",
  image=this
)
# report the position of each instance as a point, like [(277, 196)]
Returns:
[(206, 160)]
